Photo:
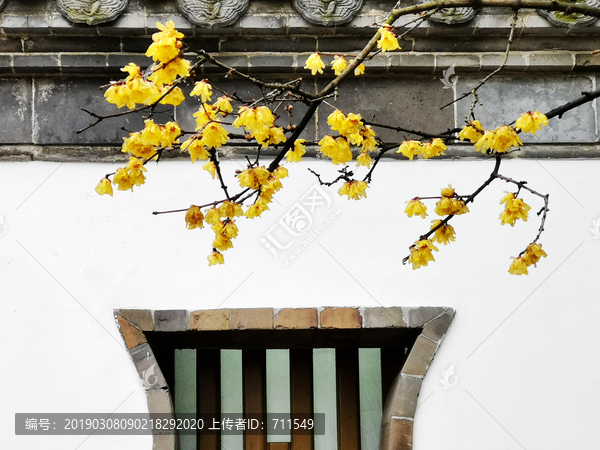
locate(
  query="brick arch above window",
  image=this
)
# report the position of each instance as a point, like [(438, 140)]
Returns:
[(365, 326)]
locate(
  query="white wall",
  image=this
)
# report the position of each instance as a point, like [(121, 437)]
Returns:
[(524, 348)]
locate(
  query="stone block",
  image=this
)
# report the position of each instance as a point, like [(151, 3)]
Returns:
[(407, 101), (234, 44), (240, 62), (86, 63), (403, 397), (504, 99), (159, 401), (551, 62), (36, 64), (408, 62), (61, 44), (116, 62), (6, 64), (271, 64), (515, 62), (380, 317), (418, 316), (252, 319), (38, 24), (297, 319), (147, 368), (435, 329), (261, 25), (211, 319), (462, 63), (126, 24), (59, 25), (587, 62), (297, 25), (58, 103), (15, 104), (420, 357), (142, 318), (131, 335), (378, 64), (397, 434), (171, 320), (202, 43), (14, 24), (341, 318)]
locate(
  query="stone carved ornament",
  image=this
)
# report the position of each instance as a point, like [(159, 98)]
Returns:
[(453, 16), (562, 19), (91, 12), (328, 12), (213, 13)]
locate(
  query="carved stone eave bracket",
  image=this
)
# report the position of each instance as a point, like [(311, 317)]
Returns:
[(91, 12), (213, 13), (563, 19), (453, 16), (328, 12)]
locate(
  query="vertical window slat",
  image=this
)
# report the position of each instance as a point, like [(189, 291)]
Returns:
[(346, 361), (371, 408), (278, 391), (325, 390), (185, 392), (209, 394), (254, 372), (232, 399), (301, 384)]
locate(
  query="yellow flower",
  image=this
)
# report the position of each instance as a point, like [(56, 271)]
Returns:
[(194, 218), (202, 89), (280, 173), (166, 43), (336, 120), (448, 192), (449, 205), (122, 180), (169, 134), (531, 121), (134, 145), (295, 154), (484, 142), (104, 187), (473, 131), (213, 216), (369, 143), (165, 74), (364, 160), (135, 169), (196, 148), (214, 135), (253, 178), (210, 168), (175, 97), (223, 104), (277, 136), (518, 267), (504, 138), (354, 189), (314, 64), (204, 115), (420, 253), (222, 242), (515, 208), (230, 209), (256, 210), (230, 229), (434, 148), (416, 208), (387, 41), (339, 64), (359, 70), (533, 254), (443, 234), (410, 149), (215, 258)]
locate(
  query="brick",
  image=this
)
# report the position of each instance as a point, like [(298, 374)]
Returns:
[(464, 63), (435, 329), (233, 44), (383, 318), (555, 62), (129, 24), (68, 44), (142, 318), (10, 45), (206, 44), (515, 62), (116, 62), (397, 434), (171, 320), (211, 319), (14, 24), (403, 397), (377, 64), (271, 64), (341, 318), (417, 317), (405, 62), (83, 63), (159, 401), (147, 368), (420, 357), (297, 319), (252, 319), (131, 335), (36, 63), (6, 64), (587, 62), (261, 25)]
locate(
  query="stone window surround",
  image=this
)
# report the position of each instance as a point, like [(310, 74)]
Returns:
[(400, 406)]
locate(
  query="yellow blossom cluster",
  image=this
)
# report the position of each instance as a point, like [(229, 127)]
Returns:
[(295, 154), (532, 255), (449, 204), (514, 209), (412, 148), (388, 41), (531, 121), (143, 144), (444, 234), (135, 89), (416, 208), (420, 253), (265, 183), (260, 122), (353, 131), (131, 175), (315, 64), (354, 189)]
